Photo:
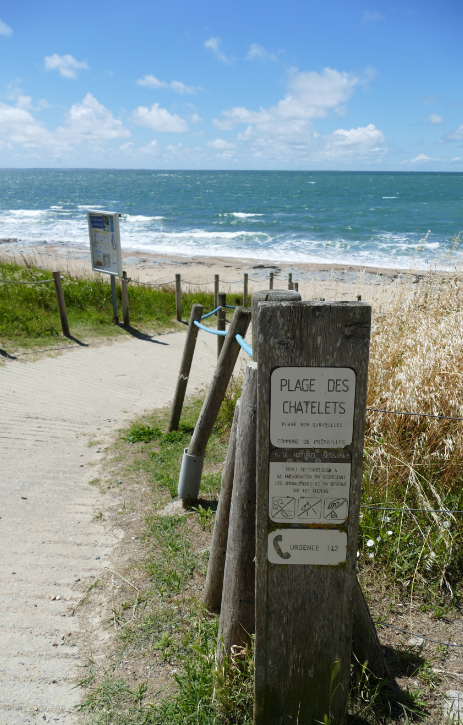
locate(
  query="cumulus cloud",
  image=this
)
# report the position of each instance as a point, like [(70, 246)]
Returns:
[(311, 95), (213, 44), (151, 81), (159, 119), (359, 142), (420, 159), (219, 143), (66, 65), (5, 29), (456, 135), (88, 121), (434, 119), (257, 52), (371, 16)]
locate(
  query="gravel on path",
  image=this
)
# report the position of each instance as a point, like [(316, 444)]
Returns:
[(51, 547)]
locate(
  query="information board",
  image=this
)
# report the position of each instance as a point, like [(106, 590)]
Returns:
[(312, 407), (105, 242)]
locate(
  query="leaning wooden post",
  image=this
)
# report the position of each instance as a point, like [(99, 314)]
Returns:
[(222, 301), (61, 304), (238, 598), (290, 280), (312, 385), (214, 580), (185, 367), (270, 282), (245, 290), (125, 299), (193, 457), (216, 290), (178, 297)]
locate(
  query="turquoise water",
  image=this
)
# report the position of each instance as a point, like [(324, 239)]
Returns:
[(330, 217)]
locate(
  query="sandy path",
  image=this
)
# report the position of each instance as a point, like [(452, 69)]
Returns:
[(50, 547)]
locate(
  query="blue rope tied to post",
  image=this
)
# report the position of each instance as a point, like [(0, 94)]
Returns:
[(247, 348), (209, 329), (231, 307), (209, 314)]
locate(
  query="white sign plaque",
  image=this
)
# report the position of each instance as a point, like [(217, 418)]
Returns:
[(307, 492), (312, 407), (105, 242), (322, 547)]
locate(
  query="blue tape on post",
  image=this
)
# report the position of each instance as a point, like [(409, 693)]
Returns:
[(209, 329), (247, 348)]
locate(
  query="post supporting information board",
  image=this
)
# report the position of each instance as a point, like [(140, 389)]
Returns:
[(114, 300), (312, 385)]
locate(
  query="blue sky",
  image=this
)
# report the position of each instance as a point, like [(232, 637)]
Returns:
[(237, 85)]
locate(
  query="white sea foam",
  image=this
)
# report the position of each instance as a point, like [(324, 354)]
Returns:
[(140, 218), (243, 215)]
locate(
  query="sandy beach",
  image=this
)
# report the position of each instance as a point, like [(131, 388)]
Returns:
[(315, 280)]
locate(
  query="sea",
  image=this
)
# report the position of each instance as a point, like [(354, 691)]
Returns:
[(394, 220)]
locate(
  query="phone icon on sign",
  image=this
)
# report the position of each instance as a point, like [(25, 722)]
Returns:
[(276, 544)]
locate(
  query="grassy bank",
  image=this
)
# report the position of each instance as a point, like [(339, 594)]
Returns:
[(29, 313), (159, 665)]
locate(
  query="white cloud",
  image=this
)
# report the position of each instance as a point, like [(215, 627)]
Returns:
[(372, 16), (126, 146), (457, 158), (219, 143), (195, 118), (359, 142), (159, 119), (456, 135), (149, 148), (91, 121), (420, 159), (151, 81), (66, 65), (5, 29), (434, 119), (213, 44), (311, 95), (257, 52), (85, 122)]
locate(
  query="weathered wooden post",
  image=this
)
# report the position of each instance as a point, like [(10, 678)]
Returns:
[(268, 296), (125, 299), (296, 286), (214, 579), (245, 290), (185, 367), (216, 290), (290, 280), (61, 304), (270, 282), (193, 457), (222, 301), (312, 385), (178, 297), (359, 298), (238, 598), (114, 299)]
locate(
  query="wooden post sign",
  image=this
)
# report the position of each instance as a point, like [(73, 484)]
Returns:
[(312, 385)]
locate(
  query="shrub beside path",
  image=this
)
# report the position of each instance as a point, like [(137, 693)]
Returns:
[(51, 548)]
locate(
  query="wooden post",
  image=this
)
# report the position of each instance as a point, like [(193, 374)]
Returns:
[(222, 301), (290, 280), (296, 286), (245, 290), (270, 282), (185, 367), (359, 298), (309, 469), (114, 299), (178, 297), (216, 290), (125, 299), (238, 598), (215, 568), (268, 296), (219, 383), (61, 304)]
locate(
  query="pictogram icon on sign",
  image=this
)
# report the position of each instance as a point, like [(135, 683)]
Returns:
[(283, 507), (335, 509), (309, 507)]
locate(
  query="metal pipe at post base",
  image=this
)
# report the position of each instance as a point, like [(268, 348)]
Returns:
[(114, 299), (188, 481)]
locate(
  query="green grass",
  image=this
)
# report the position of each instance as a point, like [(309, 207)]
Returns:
[(29, 313)]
